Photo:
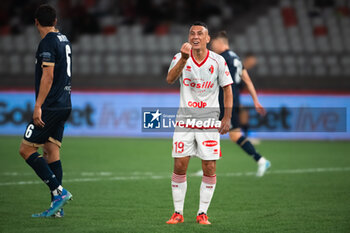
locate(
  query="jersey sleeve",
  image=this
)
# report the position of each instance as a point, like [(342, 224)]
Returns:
[(224, 73), (176, 58), (47, 52)]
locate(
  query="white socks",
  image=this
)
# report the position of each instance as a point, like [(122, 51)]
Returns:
[(206, 193), (179, 188), (57, 191), (261, 161)]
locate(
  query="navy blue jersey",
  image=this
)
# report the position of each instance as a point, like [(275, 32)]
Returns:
[(55, 50), (235, 66)]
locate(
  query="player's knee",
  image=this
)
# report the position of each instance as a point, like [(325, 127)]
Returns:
[(180, 167), (22, 151), (235, 135), (180, 170), (209, 168), (45, 154)]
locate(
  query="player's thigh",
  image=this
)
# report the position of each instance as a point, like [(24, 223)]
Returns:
[(51, 152), (36, 136), (208, 144), (26, 150), (235, 111), (243, 116), (235, 118), (56, 134), (184, 143)]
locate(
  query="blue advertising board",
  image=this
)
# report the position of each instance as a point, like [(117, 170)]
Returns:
[(119, 114)]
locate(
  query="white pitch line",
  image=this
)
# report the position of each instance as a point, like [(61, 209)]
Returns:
[(292, 171), (103, 176)]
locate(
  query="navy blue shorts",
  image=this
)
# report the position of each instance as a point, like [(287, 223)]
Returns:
[(52, 131), (235, 112)]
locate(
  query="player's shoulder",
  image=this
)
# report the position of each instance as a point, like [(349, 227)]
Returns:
[(214, 55), (233, 55), (177, 56), (48, 41), (54, 38), (217, 57), (49, 38)]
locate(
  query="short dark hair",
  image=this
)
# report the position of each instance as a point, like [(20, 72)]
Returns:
[(46, 15), (249, 54), (200, 23), (221, 34)]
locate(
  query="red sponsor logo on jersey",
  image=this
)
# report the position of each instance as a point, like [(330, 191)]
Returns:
[(216, 151), (211, 69), (209, 186), (195, 104), (210, 143), (227, 73), (174, 58), (225, 63), (208, 84), (188, 68)]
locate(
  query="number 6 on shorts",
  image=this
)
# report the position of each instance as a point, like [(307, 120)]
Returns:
[(29, 131)]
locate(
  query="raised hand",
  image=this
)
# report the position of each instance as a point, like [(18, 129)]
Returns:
[(186, 50)]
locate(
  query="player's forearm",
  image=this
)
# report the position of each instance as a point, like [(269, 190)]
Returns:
[(45, 86), (176, 71), (228, 101), (250, 86)]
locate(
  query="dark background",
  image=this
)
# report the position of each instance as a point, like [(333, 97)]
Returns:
[(128, 44)]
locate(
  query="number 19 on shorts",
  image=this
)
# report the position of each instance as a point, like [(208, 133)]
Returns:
[(179, 147)]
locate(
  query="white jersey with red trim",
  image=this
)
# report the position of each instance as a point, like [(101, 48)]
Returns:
[(200, 82)]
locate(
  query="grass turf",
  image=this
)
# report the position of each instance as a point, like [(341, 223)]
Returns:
[(123, 185)]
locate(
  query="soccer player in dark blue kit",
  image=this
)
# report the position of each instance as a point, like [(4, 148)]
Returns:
[(53, 70), (220, 45)]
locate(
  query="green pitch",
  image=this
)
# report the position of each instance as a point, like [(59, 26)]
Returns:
[(123, 185)]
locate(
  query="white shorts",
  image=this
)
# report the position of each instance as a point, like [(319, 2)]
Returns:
[(204, 144)]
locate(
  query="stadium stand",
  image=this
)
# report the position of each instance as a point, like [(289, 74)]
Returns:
[(299, 44)]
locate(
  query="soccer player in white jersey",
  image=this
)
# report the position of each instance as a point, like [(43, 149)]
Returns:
[(201, 73)]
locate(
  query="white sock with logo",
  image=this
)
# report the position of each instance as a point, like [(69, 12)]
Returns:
[(57, 191), (206, 193), (179, 188)]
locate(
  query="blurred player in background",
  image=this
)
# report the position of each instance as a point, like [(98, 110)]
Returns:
[(53, 71), (201, 74), (221, 46), (249, 62)]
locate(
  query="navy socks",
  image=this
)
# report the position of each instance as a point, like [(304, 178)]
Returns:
[(247, 146), (42, 169), (56, 168)]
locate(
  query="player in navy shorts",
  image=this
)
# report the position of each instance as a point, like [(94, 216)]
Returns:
[(53, 71), (220, 45)]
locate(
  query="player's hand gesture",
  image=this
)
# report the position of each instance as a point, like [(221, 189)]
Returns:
[(225, 125), (260, 109), (186, 50), (37, 117)]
